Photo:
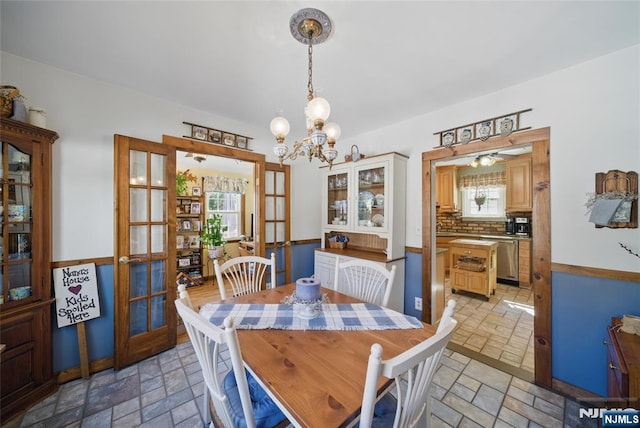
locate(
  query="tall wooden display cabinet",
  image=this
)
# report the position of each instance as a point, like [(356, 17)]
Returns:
[(25, 276)]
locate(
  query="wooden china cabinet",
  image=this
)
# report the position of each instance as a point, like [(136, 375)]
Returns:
[(25, 276)]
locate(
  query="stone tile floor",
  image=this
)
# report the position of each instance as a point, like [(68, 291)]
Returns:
[(500, 329), (166, 391)]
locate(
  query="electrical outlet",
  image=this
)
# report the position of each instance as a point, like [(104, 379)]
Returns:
[(418, 303)]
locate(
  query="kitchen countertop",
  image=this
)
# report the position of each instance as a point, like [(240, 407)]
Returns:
[(481, 236)]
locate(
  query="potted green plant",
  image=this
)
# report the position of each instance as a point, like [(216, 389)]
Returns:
[(182, 178), (212, 236)]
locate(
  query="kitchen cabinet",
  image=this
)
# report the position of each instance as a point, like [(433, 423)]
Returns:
[(325, 267), (367, 198), (444, 242), (446, 189), (519, 186), (25, 256), (524, 263), (623, 368), (473, 266), (189, 252)]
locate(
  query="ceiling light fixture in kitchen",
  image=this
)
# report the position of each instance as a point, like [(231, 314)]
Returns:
[(483, 160)]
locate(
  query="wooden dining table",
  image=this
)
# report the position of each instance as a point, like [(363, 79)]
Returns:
[(317, 376)]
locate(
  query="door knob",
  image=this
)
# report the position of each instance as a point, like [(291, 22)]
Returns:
[(123, 260)]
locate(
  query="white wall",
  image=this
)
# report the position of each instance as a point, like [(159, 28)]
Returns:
[(594, 115), (592, 109), (86, 114)]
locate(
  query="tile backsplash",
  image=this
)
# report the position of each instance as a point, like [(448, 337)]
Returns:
[(453, 222)]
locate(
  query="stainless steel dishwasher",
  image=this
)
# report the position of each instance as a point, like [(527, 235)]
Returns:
[(507, 261)]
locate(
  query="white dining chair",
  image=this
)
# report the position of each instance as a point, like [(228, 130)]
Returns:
[(364, 279), (245, 274), (412, 372), (238, 399)]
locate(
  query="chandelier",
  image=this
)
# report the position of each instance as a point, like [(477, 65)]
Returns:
[(312, 27)]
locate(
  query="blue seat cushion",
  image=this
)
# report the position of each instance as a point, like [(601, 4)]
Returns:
[(265, 411), (384, 412)]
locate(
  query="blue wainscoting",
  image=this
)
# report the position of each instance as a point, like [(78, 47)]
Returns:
[(99, 331), (302, 256), (412, 283), (581, 310)]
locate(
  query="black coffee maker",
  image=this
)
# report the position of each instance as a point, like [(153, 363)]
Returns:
[(523, 226), (510, 226)]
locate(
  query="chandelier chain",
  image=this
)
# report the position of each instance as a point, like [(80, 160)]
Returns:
[(310, 82)]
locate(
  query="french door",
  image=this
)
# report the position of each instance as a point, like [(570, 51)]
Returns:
[(277, 223), (145, 320)]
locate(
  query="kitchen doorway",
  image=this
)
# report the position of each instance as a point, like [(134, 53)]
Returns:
[(539, 141)]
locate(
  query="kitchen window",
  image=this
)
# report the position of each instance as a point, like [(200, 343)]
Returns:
[(483, 194), (486, 202), (229, 206)]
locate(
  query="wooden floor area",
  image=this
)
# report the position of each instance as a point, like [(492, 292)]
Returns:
[(199, 295)]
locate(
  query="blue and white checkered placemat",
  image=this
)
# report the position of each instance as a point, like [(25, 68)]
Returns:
[(354, 316)]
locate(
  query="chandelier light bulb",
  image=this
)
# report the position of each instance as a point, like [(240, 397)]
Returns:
[(280, 127), (332, 130), (319, 108)]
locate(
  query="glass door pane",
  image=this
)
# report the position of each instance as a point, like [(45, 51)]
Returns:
[(16, 225), (337, 188), (148, 230), (371, 190)]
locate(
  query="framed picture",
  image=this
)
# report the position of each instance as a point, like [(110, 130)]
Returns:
[(199, 133), (215, 136), (186, 225), (184, 262), (195, 207), (196, 225), (194, 241), (505, 125), (229, 139), (196, 191), (241, 142), (179, 242)]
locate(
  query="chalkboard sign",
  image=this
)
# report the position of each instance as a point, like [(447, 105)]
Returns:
[(76, 290), (186, 280)]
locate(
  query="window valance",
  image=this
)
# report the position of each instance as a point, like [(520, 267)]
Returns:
[(488, 179), (225, 184)]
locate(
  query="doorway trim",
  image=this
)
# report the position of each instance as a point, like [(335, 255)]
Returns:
[(258, 159), (539, 139)]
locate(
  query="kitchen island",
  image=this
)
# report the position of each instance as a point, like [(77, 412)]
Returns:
[(473, 266)]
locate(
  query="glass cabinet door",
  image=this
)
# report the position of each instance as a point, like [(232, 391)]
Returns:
[(15, 224), (372, 181), (337, 190)]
